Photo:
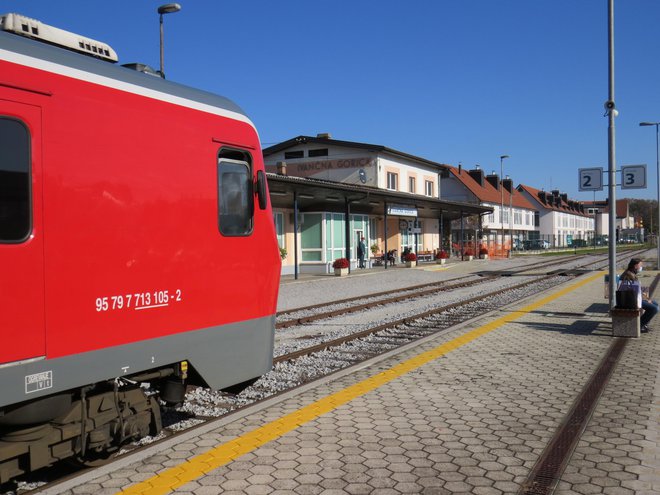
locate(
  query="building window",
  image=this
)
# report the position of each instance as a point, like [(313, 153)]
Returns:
[(291, 155), (318, 152), (505, 215), (278, 219), (373, 233), (490, 218), (429, 188), (335, 233), (392, 181), (517, 217), (15, 181), (311, 237), (412, 185), (537, 219)]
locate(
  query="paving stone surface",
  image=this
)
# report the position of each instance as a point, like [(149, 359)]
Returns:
[(475, 420)]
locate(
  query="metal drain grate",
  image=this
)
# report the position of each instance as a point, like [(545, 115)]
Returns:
[(545, 475)]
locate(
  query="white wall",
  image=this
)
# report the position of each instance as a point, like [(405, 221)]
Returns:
[(451, 189), (407, 168)]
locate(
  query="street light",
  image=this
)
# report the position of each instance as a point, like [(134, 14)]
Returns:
[(168, 8), (502, 198), (657, 165), (510, 215)]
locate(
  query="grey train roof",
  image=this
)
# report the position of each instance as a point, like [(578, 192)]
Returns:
[(69, 58)]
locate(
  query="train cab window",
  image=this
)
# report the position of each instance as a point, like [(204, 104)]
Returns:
[(14, 181), (235, 197)]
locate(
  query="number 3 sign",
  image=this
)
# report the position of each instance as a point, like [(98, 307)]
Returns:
[(591, 179), (633, 177)]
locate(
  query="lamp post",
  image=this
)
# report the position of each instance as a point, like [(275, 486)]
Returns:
[(657, 165), (510, 215), (502, 198), (168, 8)]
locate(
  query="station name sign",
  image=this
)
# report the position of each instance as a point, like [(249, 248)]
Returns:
[(402, 211), (348, 170)]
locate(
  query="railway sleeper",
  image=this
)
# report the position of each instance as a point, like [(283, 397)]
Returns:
[(93, 428)]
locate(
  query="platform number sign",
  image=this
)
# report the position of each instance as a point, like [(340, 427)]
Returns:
[(633, 177), (591, 179)]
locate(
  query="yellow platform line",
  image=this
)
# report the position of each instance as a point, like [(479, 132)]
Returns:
[(173, 478)]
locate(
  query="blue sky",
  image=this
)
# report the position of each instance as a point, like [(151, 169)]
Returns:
[(451, 81)]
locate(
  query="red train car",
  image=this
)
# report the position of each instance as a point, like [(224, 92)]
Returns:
[(136, 243)]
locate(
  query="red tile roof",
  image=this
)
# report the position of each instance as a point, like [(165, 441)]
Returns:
[(563, 206), (487, 193), (622, 207)]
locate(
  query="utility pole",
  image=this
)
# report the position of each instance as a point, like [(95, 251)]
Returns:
[(611, 112)]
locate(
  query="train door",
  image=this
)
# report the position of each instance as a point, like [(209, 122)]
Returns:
[(21, 233)]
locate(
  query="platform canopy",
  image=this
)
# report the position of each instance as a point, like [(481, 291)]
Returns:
[(321, 195)]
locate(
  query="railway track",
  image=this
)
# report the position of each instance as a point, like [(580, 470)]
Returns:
[(308, 314), (298, 368), (454, 313)]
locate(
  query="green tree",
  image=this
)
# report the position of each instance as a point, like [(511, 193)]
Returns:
[(647, 211)]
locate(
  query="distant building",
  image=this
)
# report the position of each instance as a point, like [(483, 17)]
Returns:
[(627, 229), (561, 221), (513, 216)]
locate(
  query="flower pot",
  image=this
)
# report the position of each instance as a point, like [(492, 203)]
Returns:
[(483, 256), (469, 258), (411, 264), (440, 261), (340, 272)]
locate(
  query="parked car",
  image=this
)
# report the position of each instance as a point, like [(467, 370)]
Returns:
[(536, 244)]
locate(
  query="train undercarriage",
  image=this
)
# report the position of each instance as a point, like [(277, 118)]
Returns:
[(87, 425)]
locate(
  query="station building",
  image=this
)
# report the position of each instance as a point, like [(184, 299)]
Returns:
[(327, 194)]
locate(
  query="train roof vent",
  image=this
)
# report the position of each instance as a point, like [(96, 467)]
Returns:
[(146, 69), (31, 28)]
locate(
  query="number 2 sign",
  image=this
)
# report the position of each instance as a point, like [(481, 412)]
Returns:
[(591, 179)]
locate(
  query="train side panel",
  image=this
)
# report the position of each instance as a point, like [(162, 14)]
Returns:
[(136, 273), (134, 205)]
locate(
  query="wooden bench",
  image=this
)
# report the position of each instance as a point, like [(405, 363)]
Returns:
[(425, 256)]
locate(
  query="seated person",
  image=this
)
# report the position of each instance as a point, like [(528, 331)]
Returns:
[(649, 306), (405, 251), (391, 257)]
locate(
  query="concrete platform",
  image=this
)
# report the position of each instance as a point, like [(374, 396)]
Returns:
[(468, 411)]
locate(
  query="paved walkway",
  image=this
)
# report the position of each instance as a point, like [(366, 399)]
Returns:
[(468, 411)]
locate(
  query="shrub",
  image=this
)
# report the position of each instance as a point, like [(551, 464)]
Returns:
[(411, 257), (283, 253), (483, 250), (468, 252), (374, 249), (441, 255), (340, 263)]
